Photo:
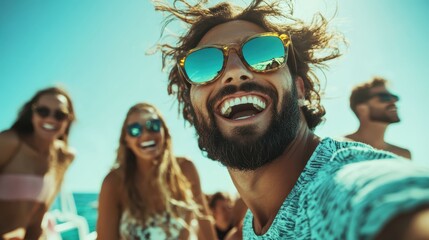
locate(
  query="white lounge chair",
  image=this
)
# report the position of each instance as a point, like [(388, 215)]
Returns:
[(65, 218)]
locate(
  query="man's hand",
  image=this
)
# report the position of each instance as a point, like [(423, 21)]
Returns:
[(407, 226)]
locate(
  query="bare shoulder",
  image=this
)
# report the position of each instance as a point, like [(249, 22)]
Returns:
[(187, 166), (9, 138), (112, 185), (9, 143), (113, 179), (189, 170), (347, 138), (403, 152)]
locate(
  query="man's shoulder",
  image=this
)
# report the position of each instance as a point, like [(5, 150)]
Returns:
[(332, 153), (403, 152), (352, 159), (334, 156), (344, 151)]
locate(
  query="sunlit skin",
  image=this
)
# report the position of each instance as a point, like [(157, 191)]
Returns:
[(222, 213), (23, 218), (262, 200), (388, 108), (419, 229), (238, 212), (148, 148), (46, 130), (236, 73), (147, 154), (407, 226), (372, 132)]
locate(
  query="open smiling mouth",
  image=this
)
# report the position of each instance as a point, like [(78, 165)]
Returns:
[(49, 127), (392, 108), (239, 108), (147, 144)]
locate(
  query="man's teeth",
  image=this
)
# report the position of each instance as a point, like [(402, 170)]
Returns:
[(147, 143), (244, 117), (392, 108), (227, 105), (48, 126)]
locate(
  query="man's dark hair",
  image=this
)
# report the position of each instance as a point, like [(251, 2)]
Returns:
[(312, 45), (217, 197), (362, 92)]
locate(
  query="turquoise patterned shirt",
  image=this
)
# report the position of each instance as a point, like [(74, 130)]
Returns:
[(342, 194)]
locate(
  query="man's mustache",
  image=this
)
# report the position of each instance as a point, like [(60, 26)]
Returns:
[(245, 87)]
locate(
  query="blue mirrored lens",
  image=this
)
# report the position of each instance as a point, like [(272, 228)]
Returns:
[(264, 53), (153, 125), (134, 129), (204, 64)]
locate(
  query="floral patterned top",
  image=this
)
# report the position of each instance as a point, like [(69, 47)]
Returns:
[(347, 190), (161, 226)]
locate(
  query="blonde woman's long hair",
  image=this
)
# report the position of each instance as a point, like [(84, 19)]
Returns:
[(166, 179)]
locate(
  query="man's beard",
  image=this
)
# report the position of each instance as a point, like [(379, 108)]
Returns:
[(244, 151), (377, 115)]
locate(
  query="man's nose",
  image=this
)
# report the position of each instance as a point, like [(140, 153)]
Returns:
[(235, 70)]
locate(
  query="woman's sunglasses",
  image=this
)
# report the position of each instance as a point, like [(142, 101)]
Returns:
[(385, 97), (44, 112), (260, 53), (136, 129)]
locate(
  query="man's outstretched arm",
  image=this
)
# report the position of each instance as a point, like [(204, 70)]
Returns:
[(412, 225)]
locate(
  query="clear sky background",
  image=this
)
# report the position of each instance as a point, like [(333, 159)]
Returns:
[(96, 50)]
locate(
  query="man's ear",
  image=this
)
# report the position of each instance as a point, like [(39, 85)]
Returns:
[(300, 88), (362, 110)]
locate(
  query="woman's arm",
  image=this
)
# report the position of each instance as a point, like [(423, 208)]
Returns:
[(9, 143), (206, 227), (109, 212), (66, 156), (34, 229)]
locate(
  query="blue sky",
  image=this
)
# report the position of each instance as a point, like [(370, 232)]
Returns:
[(96, 50)]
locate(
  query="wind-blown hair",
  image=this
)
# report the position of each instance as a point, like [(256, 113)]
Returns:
[(24, 125), (312, 44), (166, 180)]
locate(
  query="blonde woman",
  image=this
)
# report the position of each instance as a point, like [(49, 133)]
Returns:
[(150, 194), (34, 156)]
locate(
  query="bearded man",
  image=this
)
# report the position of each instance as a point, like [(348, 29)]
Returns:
[(243, 77), (375, 107)]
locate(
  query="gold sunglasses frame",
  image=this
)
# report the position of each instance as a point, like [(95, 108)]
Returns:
[(285, 38)]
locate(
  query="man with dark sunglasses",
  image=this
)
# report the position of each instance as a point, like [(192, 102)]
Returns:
[(243, 77), (376, 109)]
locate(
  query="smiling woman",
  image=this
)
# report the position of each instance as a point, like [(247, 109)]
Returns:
[(150, 194), (34, 156)]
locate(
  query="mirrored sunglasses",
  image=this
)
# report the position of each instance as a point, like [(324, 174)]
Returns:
[(260, 53), (136, 129), (44, 112), (386, 97)]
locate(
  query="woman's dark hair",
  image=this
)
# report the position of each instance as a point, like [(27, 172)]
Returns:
[(23, 124)]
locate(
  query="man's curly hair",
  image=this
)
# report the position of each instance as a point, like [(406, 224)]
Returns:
[(362, 92), (312, 44)]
